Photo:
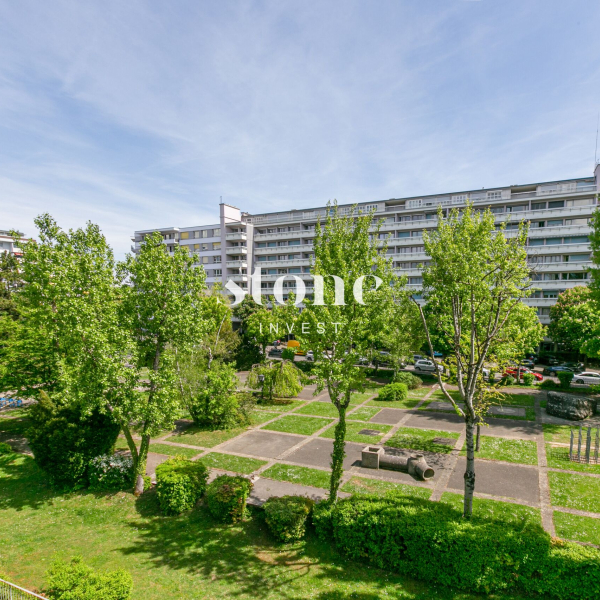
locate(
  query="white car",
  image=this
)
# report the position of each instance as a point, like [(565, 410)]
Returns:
[(310, 356), (587, 377), (424, 366)]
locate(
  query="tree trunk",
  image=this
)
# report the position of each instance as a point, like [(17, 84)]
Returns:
[(477, 443), (470, 471), (338, 454), (140, 465)]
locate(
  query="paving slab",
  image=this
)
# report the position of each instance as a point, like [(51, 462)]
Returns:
[(523, 430), (153, 461), (442, 405), (500, 479), (264, 444), (593, 421), (307, 393), (507, 410), (388, 416), (431, 420), (317, 453), (267, 488)]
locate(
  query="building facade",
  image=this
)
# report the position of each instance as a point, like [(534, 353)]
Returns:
[(280, 243), (7, 243)]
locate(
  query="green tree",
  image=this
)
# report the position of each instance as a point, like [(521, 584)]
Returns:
[(342, 333), (473, 285), (162, 308), (248, 352), (280, 378)]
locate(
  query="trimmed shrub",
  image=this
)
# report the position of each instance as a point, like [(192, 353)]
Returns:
[(528, 378), (226, 497), (565, 378), (76, 581), (393, 392), (412, 381), (508, 380), (180, 483), (64, 440), (286, 516), (322, 519), (288, 354), (5, 448), (110, 472), (415, 537), (548, 384)]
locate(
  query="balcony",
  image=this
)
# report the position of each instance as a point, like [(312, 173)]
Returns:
[(236, 250), (238, 278), (295, 262), (239, 235), (237, 263), (284, 235), (284, 249)]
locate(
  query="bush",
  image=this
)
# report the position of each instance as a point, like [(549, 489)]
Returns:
[(288, 354), (180, 483), (286, 516), (565, 378), (110, 472), (76, 581), (412, 381), (5, 448), (548, 384), (528, 378), (508, 380), (282, 379), (64, 440), (210, 395), (226, 497), (415, 537), (393, 392)]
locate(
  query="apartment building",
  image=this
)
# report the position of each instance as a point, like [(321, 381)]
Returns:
[(281, 242), (7, 243)]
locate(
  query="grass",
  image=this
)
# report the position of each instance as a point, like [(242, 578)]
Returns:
[(352, 429), (204, 437), (560, 434), (318, 409), (558, 458), (15, 426), (529, 415), (159, 448), (364, 413), (258, 417), (15, 412), (517, 400), (408, 403), (298, 474), (280, 405), (495, 509), (297, 424), (190, 556), (577, 527), (575, 491), (360, 397), (362, 485), (421, 439), (235, 464), (514, 451), (419, 392)]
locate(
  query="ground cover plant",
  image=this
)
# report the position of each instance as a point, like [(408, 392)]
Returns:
[(430, 440), (515, 451), (353, 429), (298, 474), (318, 409), (297, 424), (574, 491), (363, 413), (229, 462), (577, 527)]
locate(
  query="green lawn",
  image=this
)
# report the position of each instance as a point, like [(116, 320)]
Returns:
[(15, 412), (353, 435), (204, 437), (408, 403), (419, 392), (439, 396), (258, 417), (517, 400), (362, 485), (495, 509), (280, 405), (575, 491), (560, 434), (515, 451), (359, 398), (188, 557), (298, 474), (173, 450), (558, 458), (576, 527), (421, 439), (235, 464), (363, 413), (318, 409), (297, 424), (15, 426)]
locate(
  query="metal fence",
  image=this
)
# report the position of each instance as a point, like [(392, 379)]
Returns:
[(10, 591), (585, 444)]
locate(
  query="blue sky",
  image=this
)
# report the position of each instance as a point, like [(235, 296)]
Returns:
[(142, 114)]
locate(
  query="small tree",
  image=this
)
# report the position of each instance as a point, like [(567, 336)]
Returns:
[(342, 327), (473, 286), (281, 379)]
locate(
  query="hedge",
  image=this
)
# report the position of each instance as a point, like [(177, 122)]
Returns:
[(180, 483), (76, 581), (226, 497), (412, 381), (393, 392), (433, 542), (287, 516)]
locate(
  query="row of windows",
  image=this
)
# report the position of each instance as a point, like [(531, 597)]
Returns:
[(557, 258), (556, 241), (202, 233), (205, 260), (204, 247), (581, 276), (282, 243)]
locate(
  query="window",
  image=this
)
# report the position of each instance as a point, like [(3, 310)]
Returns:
[(403, 234), (556, 204), (205, 260), (204, 233), (510, 226), (216, 246), (519, 208), (216, 259), (577, 239), (555, 223), (295, 270), (494, 195), (416, 234), (543, 311), (294, 243), (284, 243), (577, 258), (383, 236), (575, 276), (553, 241), (582, 221), (282, 271), (271, 271), (551, 294), (415, 280), (217, 232), (218, 272), (185, 235), (582, 202), (496, 210), (196, 246), (196, 234), (539, 224), (271, 244), (272, 257), (536, 242), (261, 245), (538, 206)]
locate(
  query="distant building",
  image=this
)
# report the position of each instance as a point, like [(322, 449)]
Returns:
[(7, 243)]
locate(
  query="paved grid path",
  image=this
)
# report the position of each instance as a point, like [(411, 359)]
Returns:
[(498, 480)]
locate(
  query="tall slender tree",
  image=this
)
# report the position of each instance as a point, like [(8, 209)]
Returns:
[(473, 285), (339, 327)]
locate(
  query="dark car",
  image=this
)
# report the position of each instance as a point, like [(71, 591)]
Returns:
[(556, 369), (275, 353), (576, 367)]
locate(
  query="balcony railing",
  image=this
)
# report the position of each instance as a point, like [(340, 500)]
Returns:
[(239, 235), (10, 591)]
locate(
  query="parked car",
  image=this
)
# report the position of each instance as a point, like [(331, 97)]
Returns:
[(528, 363), (295, 345), (576, 367), (382, 358), (587, 377), (417, 357), (275, 353), (556, 369), (513, 373), (276, 344), (427, 366), (310, 356)]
